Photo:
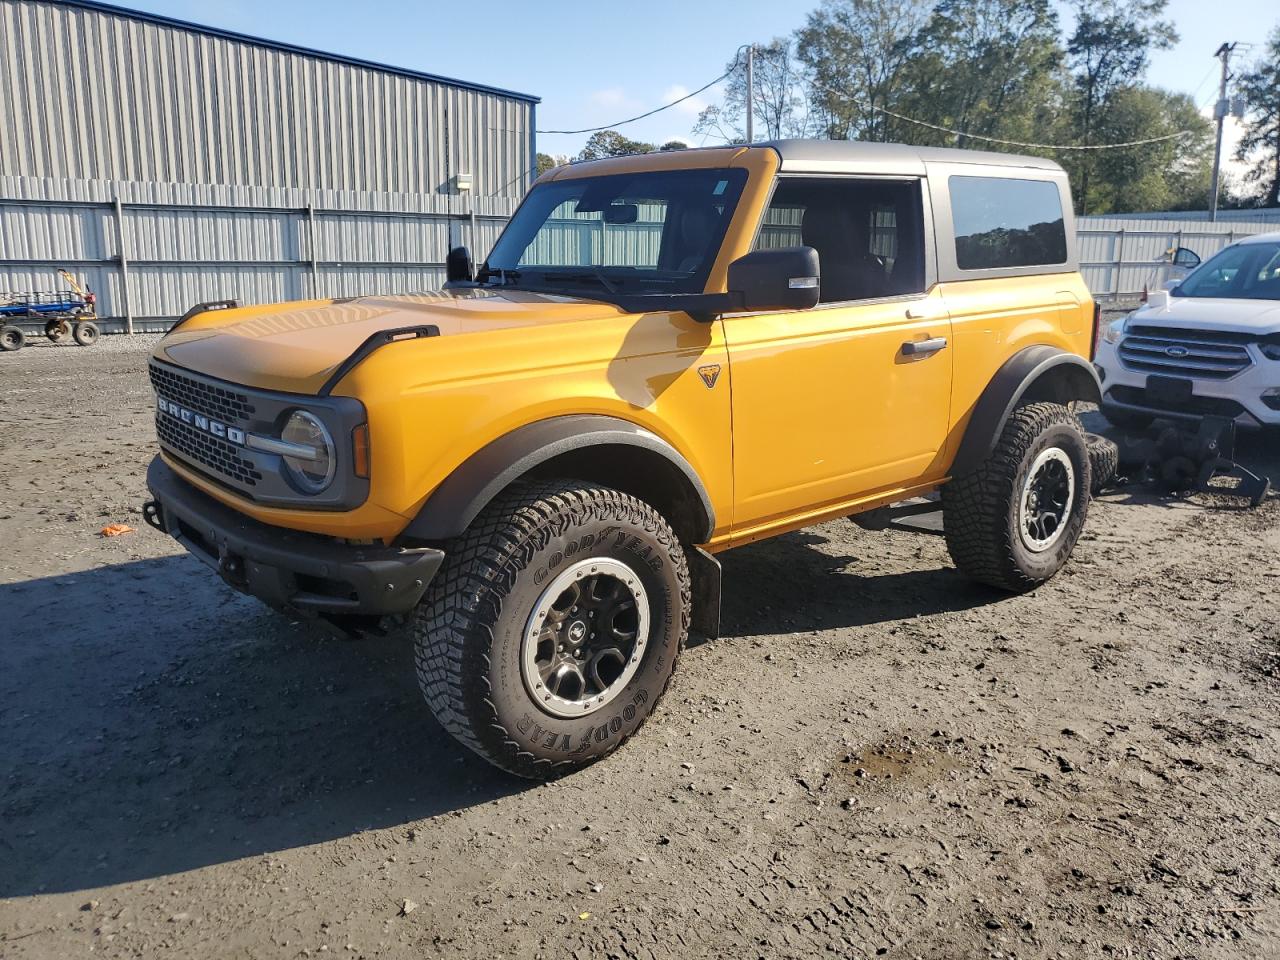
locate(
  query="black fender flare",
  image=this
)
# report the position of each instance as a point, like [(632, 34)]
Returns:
[(482, 476), (1033, 373)]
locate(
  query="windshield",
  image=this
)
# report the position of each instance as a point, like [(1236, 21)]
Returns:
[(631, 233), (1248, 271)]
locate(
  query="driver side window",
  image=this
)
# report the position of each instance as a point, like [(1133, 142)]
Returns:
[(869, 234)]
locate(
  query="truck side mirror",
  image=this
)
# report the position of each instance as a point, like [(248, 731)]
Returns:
[(786, 278), (458, 266)]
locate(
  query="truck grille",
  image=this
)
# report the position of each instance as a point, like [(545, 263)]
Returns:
[(199, 448), (221, 404), (217, 456), (1185, 353)]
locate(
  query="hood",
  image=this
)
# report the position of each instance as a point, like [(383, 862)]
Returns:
[(1197, 313), (296, 347)]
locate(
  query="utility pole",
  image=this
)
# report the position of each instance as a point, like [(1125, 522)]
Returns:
[(1220, 112), (751, 92)]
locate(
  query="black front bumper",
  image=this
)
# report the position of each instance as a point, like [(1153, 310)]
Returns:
[(287, 568)]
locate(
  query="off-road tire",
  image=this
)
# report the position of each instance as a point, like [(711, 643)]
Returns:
[(980, 509), (11, 338), (469, 628), (1104, 461), (1127, 419), (56, 330), (85, 333)]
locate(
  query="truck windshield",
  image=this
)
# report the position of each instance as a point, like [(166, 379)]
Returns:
[(655, 232), (1247, 271)]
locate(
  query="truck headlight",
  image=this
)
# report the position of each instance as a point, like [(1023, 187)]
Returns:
[(1270, 346), (1114, 330), (313, 472)]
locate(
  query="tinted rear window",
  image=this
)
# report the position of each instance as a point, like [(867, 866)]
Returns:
[(1001, 222)]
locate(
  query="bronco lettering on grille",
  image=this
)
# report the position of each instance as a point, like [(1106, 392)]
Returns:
[(222, 431)]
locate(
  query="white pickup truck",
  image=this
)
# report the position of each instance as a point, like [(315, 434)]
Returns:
[(1208, 346)]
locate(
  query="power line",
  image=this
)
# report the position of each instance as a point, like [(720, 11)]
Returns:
[(1035, 146), (666, 106), (999, 140)]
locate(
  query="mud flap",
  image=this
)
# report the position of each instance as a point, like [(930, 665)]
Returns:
[(704, 569)]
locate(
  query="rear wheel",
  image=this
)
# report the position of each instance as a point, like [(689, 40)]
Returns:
[(1104, 461), (554, 626), (1013, 522), (85, 332), (12, 338), (56, 330)]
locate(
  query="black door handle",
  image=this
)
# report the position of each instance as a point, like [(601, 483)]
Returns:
[(923, 348)]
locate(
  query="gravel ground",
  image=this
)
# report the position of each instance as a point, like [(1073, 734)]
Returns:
[(878, 759)]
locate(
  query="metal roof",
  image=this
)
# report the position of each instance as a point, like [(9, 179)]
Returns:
[(828, 155), (289, 47)]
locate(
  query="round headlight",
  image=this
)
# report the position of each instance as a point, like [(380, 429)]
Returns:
[(313, 473)]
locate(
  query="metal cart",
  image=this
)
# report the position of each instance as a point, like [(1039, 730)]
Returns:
[(61, 313)]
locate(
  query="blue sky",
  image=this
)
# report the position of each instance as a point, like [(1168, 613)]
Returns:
[(594, 63)]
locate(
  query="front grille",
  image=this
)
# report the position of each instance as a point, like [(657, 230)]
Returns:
[(198, 447), (1197, 354), (219, 403)]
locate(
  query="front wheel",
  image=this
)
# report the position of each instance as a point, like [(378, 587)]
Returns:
[(1014, 521), (554, 626), (11, 338)]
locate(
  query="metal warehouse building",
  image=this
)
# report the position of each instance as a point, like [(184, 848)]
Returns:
[(167, 164)]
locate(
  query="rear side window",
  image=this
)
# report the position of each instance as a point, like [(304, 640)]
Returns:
[(1002, 222)]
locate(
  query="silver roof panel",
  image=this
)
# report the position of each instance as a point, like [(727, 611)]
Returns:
[(853, 156)]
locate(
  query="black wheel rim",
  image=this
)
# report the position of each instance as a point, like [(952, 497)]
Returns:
[(1048, 496), (585, 637)]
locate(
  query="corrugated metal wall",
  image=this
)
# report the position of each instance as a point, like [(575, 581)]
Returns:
[(251, 245), (167, 164), (91, 95)]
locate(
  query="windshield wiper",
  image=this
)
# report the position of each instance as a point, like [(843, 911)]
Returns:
[(597, 274)]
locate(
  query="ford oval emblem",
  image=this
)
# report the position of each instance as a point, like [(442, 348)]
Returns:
[(1177, 352)]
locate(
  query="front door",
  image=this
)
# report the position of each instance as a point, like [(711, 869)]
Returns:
[(850, 398)]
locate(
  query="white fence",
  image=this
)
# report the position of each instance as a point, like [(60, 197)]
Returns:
[(1121, 257)]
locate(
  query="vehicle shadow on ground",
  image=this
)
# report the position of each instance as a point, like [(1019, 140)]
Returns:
[(153, 721), (788, 584)]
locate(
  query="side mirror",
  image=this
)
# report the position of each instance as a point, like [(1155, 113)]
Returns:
[(458, 266), (786, 278), (1183, 257)]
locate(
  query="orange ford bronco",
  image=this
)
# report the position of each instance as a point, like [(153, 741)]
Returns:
[(663, 357)]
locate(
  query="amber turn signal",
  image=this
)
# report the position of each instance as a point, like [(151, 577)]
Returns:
[(360, 451)]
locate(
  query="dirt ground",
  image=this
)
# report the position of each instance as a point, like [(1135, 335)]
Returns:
[(878, 759)]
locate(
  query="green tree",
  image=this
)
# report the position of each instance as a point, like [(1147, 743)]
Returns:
[(983, 67), (610, 143), (856, 52), (545, 163), (1108, 51), (1169, 175), (673, 145), (780, 106), (1260, 145)]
